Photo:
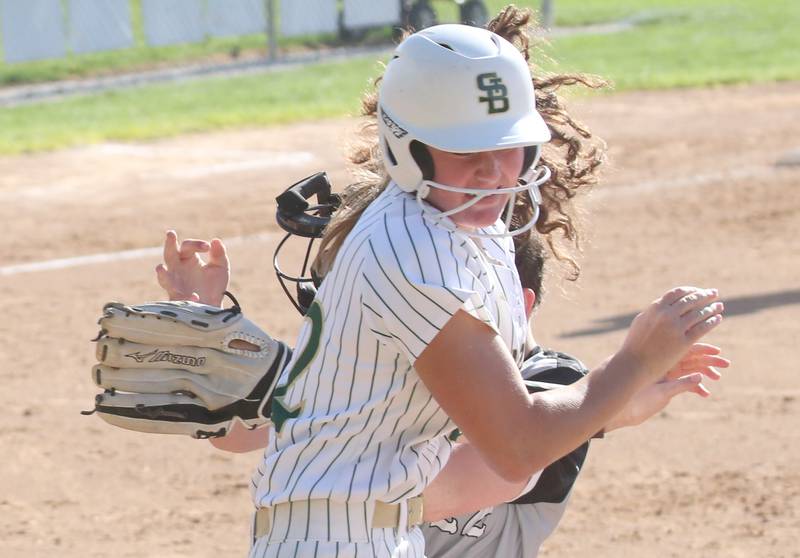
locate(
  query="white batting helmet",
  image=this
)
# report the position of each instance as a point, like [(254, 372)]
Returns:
[(460, 89)]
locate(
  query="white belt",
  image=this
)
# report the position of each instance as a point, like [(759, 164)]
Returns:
[(385, 516)]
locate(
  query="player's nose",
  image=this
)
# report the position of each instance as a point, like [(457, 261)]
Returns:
[(488, 168)]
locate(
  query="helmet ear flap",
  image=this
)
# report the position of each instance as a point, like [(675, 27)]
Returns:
[(422, 156), (388, 151), (529, 156)]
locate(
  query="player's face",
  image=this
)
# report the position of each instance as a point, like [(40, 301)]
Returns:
[(487, 170)]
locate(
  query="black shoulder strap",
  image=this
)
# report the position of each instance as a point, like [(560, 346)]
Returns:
[(546, 369)]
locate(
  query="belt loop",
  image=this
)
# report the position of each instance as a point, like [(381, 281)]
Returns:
[(402, 523), (415, 510), (262, 523)]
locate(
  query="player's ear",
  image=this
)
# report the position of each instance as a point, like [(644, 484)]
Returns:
[(530, 299)]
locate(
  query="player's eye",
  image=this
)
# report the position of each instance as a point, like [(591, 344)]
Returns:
[(465, 156)]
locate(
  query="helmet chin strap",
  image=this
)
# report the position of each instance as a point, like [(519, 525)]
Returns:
[(529, 182)]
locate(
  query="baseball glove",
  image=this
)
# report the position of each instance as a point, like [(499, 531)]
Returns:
[(184, 368)]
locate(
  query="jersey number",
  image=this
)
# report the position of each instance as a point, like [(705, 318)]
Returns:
[(280, 411)]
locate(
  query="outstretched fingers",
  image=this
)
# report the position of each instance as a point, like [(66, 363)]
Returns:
[(192, 247), (707, 365), (676, 294), (703, 349), (694, 300), (171, 249), (692, 383), (218, 254), (175, 253), (704, 358), (164, 279), (699, 311), (704, 325)]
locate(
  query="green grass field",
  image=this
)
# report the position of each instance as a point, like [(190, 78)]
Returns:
[(683, 43), (676, 43)]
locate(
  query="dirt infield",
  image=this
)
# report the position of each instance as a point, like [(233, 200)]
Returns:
[(693, 196)]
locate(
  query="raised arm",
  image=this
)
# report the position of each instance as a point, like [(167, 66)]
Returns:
[(468, 484), (517, 433)]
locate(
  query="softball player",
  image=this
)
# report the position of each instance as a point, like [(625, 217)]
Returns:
[(356, 430), (420, 300)]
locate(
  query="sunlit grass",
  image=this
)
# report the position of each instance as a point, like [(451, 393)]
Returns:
[(677, 43)]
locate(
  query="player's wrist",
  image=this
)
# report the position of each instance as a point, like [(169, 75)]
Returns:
[(629, 369), (616, 422), (212, 300)]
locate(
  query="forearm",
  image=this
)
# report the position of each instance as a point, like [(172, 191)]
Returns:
[(241, 439), (536, 429), (560, 420), (466, 484)]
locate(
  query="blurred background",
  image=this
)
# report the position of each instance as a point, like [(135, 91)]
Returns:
[(110, 45), (120, 119)]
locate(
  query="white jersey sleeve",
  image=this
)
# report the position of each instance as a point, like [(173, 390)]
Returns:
[(415, 282)]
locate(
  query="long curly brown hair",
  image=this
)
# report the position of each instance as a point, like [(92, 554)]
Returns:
[(573, 156)]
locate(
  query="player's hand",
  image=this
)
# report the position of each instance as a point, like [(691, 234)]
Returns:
[(664, 332), (702, 358), (186, 276), (686, 377), (241, 438)]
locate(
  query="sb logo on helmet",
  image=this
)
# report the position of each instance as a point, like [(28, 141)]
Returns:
[(496, 92)]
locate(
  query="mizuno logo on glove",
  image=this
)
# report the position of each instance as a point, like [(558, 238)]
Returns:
[(214, 375), (157, 355)]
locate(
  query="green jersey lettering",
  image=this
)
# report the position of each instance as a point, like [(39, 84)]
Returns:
[(280, 411)]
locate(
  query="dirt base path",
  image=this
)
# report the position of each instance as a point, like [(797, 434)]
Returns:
[(693, 196)]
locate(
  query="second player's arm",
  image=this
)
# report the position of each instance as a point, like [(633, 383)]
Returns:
[(242, 439)]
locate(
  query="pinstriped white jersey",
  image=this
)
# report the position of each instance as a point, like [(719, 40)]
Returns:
[(352, 421)]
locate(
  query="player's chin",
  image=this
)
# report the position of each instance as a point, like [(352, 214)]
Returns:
[(483, 214)]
